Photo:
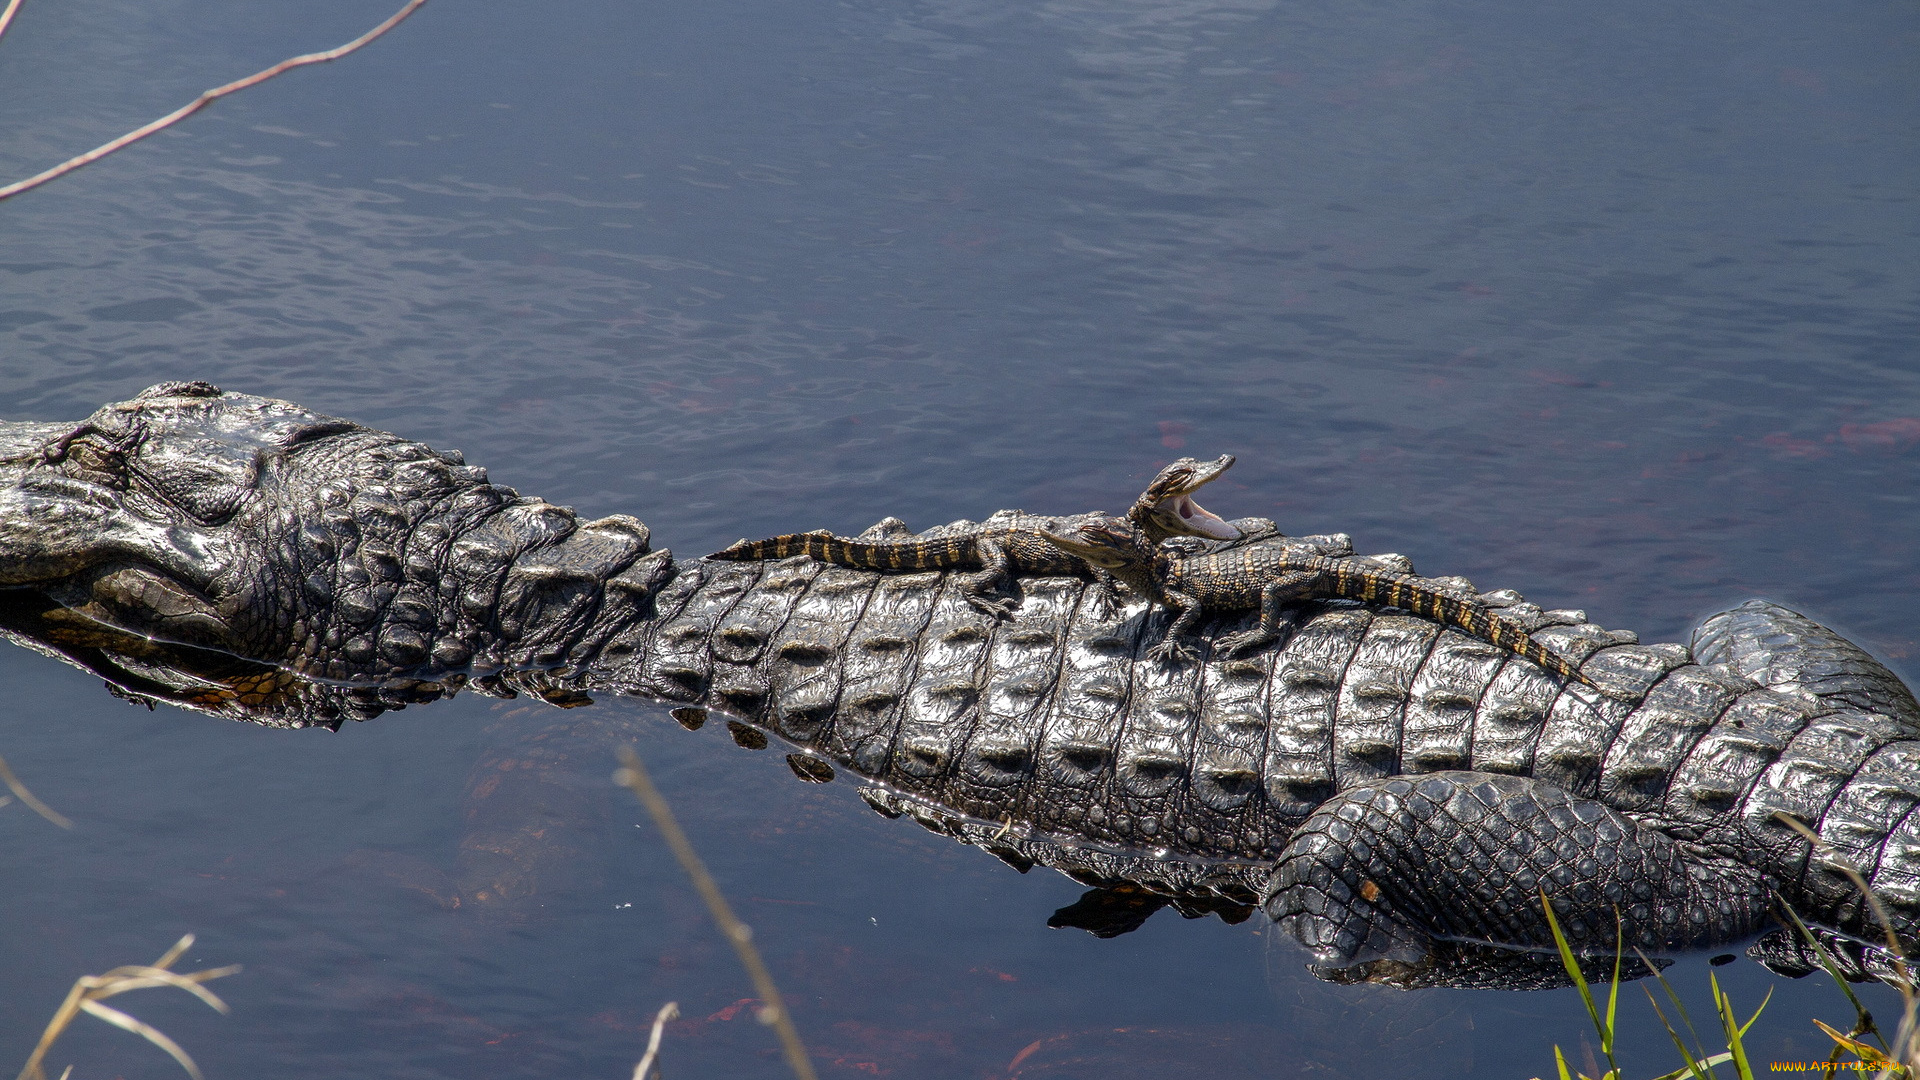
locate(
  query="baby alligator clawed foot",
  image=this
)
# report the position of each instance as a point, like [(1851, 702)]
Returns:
[(1245, 641), (1173, 650), (999, 609)]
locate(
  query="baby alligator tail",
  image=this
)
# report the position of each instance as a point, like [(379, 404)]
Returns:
[(828, 548), (1453, 611)]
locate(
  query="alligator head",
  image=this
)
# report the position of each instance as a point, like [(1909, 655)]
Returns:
[(1167, 508), (257, 529), (1116, 546), (1108, 543)]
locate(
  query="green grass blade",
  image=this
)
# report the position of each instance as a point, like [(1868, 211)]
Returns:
[(1699, 1070), (1601, 1027), (1613, 987), (1678, 1005), (1572, 964), (1730, 1023), (1863, 1020), (1758, 1011)]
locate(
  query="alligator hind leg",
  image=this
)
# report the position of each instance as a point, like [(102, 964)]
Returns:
[(1387, 872), (995, 575), (887, 528)]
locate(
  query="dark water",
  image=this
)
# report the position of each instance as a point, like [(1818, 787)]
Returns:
[(1612, 304)]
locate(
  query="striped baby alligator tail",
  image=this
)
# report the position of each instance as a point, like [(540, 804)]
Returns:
[(828, 548), (1443, 607)]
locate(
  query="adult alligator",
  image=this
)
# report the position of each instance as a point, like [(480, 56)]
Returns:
[(1395, 793)]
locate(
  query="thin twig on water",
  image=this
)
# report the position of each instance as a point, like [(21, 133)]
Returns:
[(633, 776), (201, 102), (648, 1061), (20, 790), (6, 17), (89, 990)]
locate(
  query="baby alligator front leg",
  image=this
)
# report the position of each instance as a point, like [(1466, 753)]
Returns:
[(1171, 646)]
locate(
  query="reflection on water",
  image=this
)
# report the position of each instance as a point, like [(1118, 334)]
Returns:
[(1604, 304)]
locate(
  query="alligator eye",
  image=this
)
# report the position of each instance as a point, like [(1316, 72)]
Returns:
[(319, 430), (93, 456)]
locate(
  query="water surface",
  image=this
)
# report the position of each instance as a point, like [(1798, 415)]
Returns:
[(1612, 305)]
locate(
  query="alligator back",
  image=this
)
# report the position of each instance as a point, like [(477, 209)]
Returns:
[(1051, 733)]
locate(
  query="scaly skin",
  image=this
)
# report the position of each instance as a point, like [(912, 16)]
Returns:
[(1007, 544), (1270, 576), (1390, 789)]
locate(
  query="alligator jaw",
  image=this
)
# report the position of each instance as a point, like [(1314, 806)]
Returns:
[(1199, 520), (21, 439), (132, 517), (1169, 503), (78, 541)]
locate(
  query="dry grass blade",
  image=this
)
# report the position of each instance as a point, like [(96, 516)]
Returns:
[(1866, 1052), (20, 790), (648, 1060), (633, 776), (146, 1031), (122, 979), (89, 990), (201, 102)]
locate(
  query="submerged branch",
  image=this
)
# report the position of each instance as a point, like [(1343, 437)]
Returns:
[(633, 776)]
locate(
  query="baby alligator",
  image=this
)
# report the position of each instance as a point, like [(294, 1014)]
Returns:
[(1270, 575), (1010, 542)]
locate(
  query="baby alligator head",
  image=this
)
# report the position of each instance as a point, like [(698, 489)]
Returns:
[(1115, 546), (1167, 507)]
